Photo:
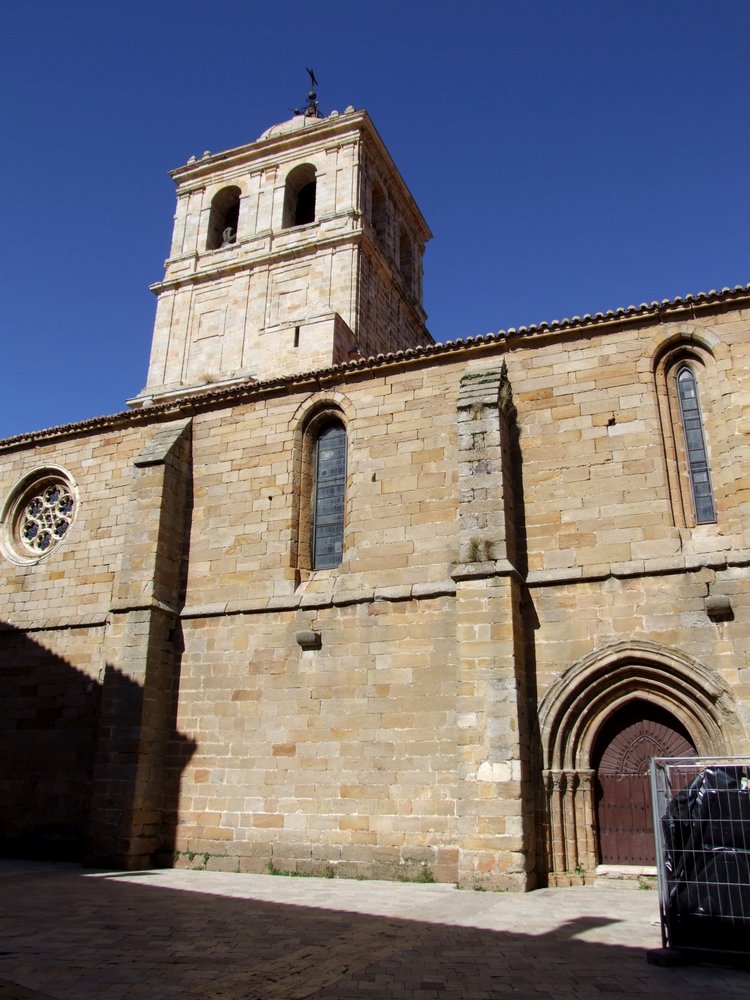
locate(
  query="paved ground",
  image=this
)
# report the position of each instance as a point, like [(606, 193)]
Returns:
[(74, 934)]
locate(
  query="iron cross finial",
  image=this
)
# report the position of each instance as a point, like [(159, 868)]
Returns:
[(312, 110)]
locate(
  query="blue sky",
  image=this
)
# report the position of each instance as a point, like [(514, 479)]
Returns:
[(568, 156)]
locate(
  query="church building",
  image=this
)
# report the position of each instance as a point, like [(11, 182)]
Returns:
[(331, 598)]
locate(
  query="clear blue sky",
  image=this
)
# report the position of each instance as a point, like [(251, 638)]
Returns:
[(568, 156)]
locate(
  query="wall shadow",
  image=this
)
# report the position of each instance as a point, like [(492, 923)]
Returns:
[(56, 722), (526, 626)]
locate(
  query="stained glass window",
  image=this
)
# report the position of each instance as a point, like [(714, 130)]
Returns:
[(37, 515), (329, 493), (45, 517), (695, 445)]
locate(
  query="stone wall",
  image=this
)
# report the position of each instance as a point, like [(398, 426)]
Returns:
[(339, 759), (49, 705), (520, 558)]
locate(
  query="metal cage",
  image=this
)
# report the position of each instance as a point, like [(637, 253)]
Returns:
[(701, 810)]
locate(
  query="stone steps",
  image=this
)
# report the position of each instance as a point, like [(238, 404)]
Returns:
[(626, 877)]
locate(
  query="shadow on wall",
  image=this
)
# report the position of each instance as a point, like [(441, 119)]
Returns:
[(53, 740), (526, 626)]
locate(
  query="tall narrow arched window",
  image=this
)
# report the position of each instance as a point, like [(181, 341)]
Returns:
[(328, 496), (406, 258), (224, 218), (687, 386), (379, 215), (300, 193), (695, 446)]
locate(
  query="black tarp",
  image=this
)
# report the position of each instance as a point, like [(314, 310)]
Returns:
[(707, 846)]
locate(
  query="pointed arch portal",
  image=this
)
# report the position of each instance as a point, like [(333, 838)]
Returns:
[(602, 721), (626, 742)]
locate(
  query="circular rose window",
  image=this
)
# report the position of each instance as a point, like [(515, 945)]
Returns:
[(38, 514)]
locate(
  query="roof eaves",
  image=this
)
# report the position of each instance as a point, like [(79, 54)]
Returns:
[(197, 402)]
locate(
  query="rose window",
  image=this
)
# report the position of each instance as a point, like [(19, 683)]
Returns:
[(46, 517), (38, 515)]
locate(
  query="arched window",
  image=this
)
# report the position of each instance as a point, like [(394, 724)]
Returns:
[(328, 495), (695, 445), (406, 258), (299, 196), (684, 373), (224, 218), (379, 215)]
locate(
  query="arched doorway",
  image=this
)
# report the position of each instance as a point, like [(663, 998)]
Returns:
[(588, 705), (622, 751)]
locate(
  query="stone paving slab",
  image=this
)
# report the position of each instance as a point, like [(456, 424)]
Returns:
[(68, 933)]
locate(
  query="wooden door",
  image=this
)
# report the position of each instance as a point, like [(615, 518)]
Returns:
[(624, 751)]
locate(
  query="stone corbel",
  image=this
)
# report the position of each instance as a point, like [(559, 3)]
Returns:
[(308, 639)]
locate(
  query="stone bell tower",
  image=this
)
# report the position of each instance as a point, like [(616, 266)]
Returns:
[(296, 252)]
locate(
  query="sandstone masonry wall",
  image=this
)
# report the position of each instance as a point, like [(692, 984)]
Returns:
[(395, 715)]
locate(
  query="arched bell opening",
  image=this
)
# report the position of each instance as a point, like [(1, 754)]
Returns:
[(300, 193), (223, 221)]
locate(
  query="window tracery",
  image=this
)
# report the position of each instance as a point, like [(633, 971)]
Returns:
[(38, 515), (46, 518)]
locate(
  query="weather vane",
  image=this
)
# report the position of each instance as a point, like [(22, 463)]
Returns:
[(311, 111)]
